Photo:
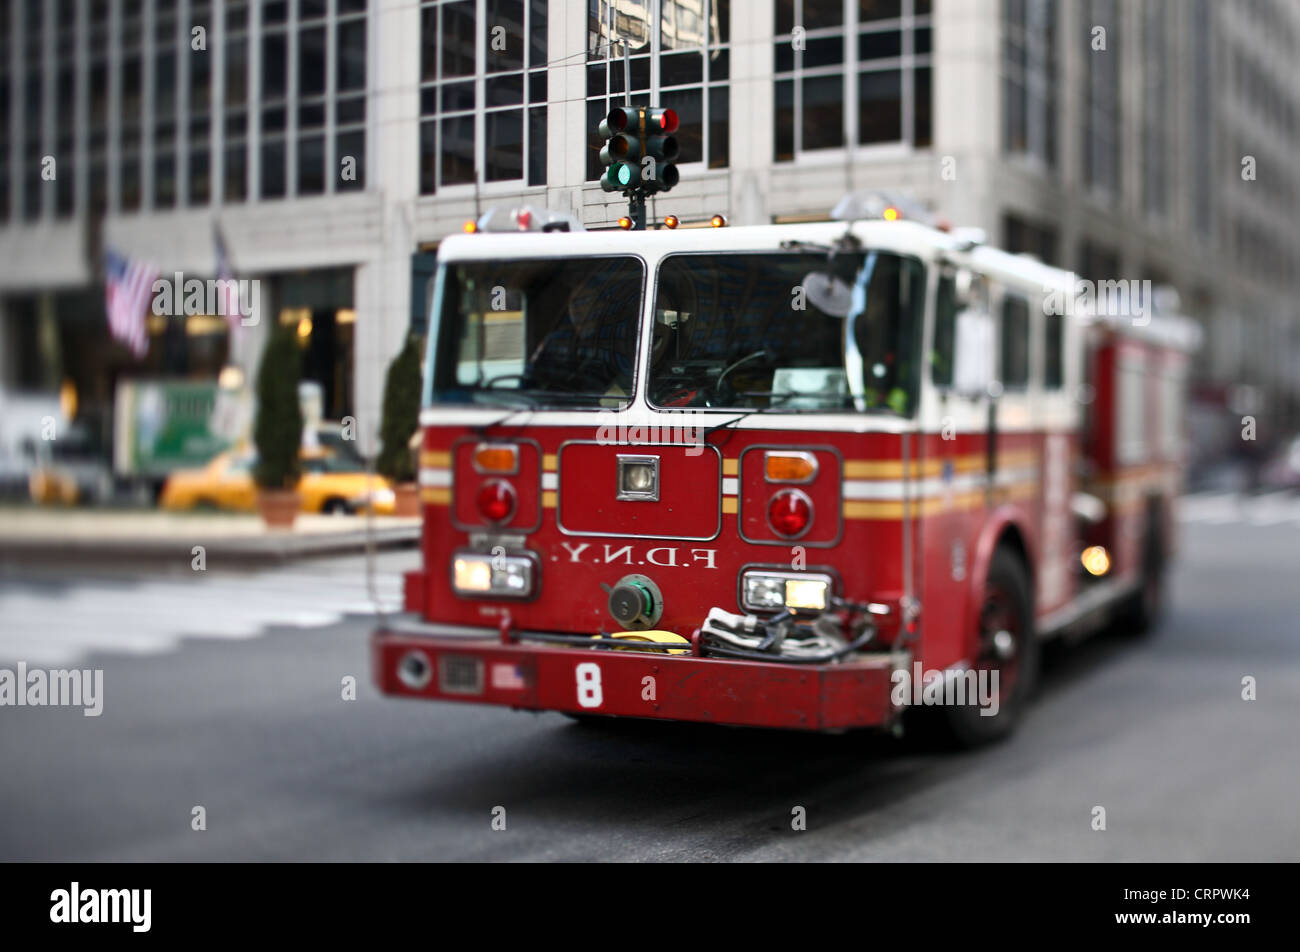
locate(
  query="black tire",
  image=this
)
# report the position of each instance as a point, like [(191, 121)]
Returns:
[(1007, 607), (1145, 607), (336, 506)]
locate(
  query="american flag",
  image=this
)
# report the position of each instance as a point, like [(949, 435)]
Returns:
[(228, 289), (507, 677), (128, 288)]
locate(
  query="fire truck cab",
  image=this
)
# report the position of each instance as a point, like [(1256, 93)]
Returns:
[(798, 476)]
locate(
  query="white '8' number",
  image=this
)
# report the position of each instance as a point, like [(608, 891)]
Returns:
[(589, 693)]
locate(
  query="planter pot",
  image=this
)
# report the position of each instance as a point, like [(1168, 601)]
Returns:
[(279, 507), (406, 499)]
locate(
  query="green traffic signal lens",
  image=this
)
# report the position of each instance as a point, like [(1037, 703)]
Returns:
[(624, 174)]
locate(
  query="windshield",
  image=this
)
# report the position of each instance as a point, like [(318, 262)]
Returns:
[(540, 332), (785, 330)]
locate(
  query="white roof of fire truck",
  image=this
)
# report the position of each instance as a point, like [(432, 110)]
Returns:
[(524, 232)]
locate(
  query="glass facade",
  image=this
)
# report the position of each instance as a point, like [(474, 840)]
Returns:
[(483, 88), (1101, 116), (864, 80), (679, 57), (1029, 99), (159, 104)]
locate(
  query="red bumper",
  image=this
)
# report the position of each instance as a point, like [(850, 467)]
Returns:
[(639, 684)]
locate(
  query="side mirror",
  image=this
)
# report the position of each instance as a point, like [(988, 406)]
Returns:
[(829, 294), (966, 288), (973, 353)]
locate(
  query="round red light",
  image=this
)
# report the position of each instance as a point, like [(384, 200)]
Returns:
[(496, 501), (789, 513), (668, 121), (524, 218)]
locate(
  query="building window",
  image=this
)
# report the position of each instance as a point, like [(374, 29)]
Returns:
[(863, 82), (1199, 102), (483, 93), (1155, 108), (347, 171), (1101, 133), (313, 134), (235, 110), (1029, 79), (1025, 237), (680, 59), (6, 77), (198, 130)]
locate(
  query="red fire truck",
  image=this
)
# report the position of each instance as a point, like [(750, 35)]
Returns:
[(798, 476)]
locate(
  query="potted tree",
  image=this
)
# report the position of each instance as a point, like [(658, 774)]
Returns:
[(278, 429), (400, 422)]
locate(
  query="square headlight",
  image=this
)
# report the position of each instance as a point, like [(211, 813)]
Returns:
[(638, 478), (504, 576), (773, 591)]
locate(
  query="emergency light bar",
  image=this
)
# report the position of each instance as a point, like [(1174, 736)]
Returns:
[(517, 218)]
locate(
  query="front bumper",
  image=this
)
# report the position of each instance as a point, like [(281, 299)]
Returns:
[(630, 683)]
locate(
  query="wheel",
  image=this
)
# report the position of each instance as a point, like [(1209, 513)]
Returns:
[(1142, 613), (1006, 647), (336, 507)]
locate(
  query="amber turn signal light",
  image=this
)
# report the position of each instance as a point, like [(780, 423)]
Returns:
[(496, 458), (789, 467)]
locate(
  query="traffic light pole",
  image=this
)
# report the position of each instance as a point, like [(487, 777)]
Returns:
[(636, 210)]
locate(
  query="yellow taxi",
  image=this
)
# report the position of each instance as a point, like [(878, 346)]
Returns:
[(330, 483)]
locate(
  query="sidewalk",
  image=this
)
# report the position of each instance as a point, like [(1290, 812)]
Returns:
[(51, 532)]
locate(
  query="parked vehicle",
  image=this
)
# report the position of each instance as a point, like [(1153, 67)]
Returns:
[(330, 483)]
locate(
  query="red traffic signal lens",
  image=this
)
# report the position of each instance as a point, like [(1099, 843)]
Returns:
[(668, 120), (617, 119)]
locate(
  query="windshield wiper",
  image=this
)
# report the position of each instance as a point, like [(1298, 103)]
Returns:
[(773, 404)]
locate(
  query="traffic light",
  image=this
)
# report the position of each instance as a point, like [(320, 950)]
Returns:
[(661, 146), (621, 152)]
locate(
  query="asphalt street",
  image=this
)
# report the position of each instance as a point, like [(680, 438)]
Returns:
[(225, 690)]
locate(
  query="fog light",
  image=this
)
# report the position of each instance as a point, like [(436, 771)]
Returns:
[(773, 591)]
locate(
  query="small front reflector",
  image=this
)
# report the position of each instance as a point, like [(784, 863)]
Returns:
[(496, 458), (790, 467)]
